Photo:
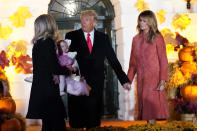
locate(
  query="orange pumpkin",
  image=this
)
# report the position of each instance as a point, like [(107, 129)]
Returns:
[(189, 67), (189, 92), (7, 105), (11, 125), (187, 54)]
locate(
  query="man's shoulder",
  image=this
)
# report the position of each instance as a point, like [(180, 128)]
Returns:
[(101, 34), (72, 33)]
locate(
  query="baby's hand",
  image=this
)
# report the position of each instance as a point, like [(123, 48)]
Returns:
[(89, 89), (70, 68), (82, 79), (74, 69)]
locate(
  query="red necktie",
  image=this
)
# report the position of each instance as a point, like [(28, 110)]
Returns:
[(89, 42)]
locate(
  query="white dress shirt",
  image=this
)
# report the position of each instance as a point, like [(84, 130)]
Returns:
[(91, 36)]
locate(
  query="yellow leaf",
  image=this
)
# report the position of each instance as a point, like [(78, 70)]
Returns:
[(161, 16), (169, 36), (181, 21), (17, 48), (18, 19), (141, 5), (5, 32)]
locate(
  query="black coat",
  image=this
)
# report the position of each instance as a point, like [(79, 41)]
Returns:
[(44, 95), (92, 69)]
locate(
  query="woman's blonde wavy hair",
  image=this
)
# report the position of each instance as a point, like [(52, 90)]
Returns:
[(152, 23), (45, 27)]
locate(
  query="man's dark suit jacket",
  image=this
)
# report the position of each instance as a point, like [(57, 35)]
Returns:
[(85, 110)]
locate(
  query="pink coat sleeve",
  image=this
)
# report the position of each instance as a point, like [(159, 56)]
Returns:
[(163, 61), (132, 64)]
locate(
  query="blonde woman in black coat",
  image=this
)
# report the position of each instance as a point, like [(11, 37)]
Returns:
[(45, 102)]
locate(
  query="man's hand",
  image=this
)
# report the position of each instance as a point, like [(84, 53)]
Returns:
[(127, 86)]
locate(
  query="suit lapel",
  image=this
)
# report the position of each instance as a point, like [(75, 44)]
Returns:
[(95, 41), (83, 41)]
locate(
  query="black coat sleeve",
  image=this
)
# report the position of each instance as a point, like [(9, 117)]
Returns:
[(52, 60), (111, 57), (70, 36)]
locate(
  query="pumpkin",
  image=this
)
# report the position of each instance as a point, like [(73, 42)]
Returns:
[(188, 67), (189, 92), (11, 125), (187, 54), (7, 105)]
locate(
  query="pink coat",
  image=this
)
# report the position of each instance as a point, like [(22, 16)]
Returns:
[(150, 63)]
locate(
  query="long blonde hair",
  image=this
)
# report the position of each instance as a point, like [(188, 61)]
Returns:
[(152, 23), (45, 27)]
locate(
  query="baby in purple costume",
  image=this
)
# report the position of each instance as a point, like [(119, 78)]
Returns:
[(73, 84)]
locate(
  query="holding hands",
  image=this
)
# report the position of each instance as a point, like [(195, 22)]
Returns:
[(127, 86)]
